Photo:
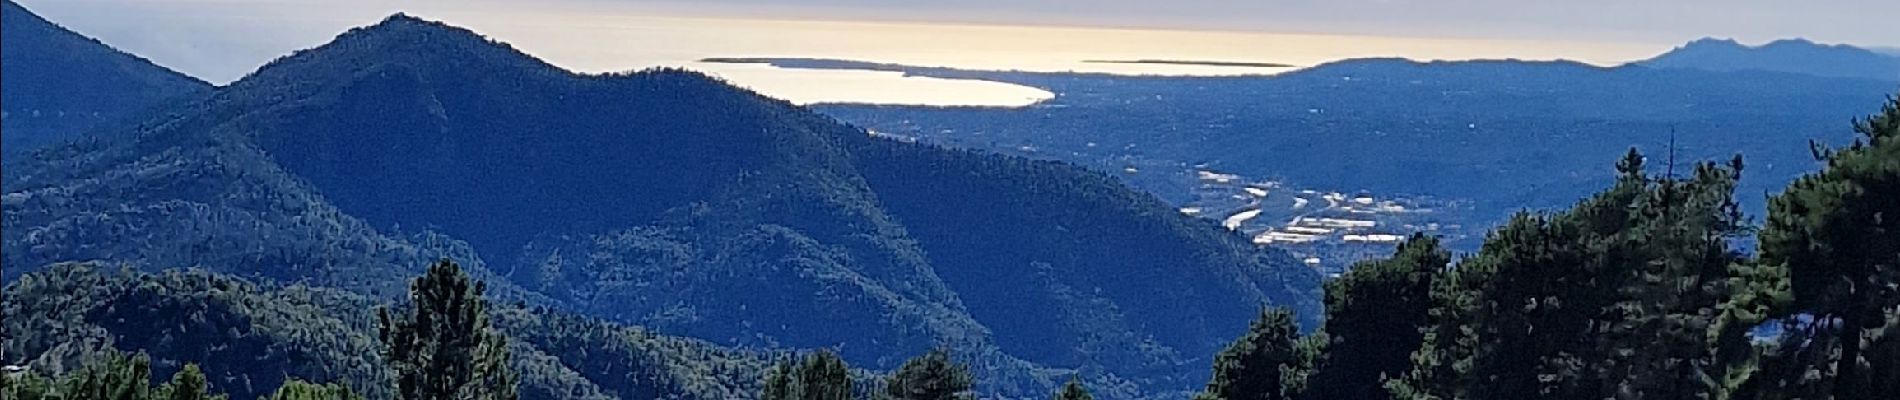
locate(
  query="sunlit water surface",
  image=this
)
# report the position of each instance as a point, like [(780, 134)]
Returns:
[(202, 37)]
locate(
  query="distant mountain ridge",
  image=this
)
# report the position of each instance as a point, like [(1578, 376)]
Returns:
[(664, 198), (1787, 55), (59, 84)]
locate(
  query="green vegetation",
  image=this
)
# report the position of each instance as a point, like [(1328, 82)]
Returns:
[(1634, 293), (821, 376), (188, 384), (253, 339), (446, 349), (1073, 391), (931, 376), (1836, 236), (1376, 315), (112, 376), (1272, 361), (300, 390)]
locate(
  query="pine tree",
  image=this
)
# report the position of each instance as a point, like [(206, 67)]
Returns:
[(1375, 319), (821, 376), (1836, 235), (1664, 339), (1792, 367), (1073, 391), (1270, 362), (445, 349), (188, 384), (1618, 297), (1883, 356), (1439, 367), (300, 390), (778, 381), (932, 376)]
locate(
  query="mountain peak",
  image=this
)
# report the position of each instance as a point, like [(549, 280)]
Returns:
[(404, 17), (404, 27), (1712, 41), (404, 22), (1795, 42), (405, 40), (1792, 55), (1730, 44)]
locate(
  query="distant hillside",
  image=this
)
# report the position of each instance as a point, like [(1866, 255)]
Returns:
[(252, 337), (59, 84), (1789, 55), (663, 198)]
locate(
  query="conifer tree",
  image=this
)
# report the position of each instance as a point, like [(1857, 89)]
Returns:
[(778, 381), (824, 376), (1270, 362), (1440, 366), (1836, 235), (1073, 391), (1618, 297), (1540, 295), (931, 376), (821, 376), (1883, 356), (1375, 319), (1663, 341), (445, 349)]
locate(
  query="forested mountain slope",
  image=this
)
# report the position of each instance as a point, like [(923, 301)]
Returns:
[(249, 338), (663, 198), (58, 84)]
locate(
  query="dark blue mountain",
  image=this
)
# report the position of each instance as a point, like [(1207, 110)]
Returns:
[(664, 198), (59, 85), (1798, 56)]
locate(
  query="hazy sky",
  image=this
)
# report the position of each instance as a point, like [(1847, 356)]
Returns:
[(1869, 22), (221, 39)]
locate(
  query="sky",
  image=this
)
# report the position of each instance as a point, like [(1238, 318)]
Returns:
[(220, 40), (1866, 22)]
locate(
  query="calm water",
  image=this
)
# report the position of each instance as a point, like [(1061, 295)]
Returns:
[(219, 41)]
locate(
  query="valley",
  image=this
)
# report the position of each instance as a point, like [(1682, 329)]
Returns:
[(1472, 141), (1327, 230)]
